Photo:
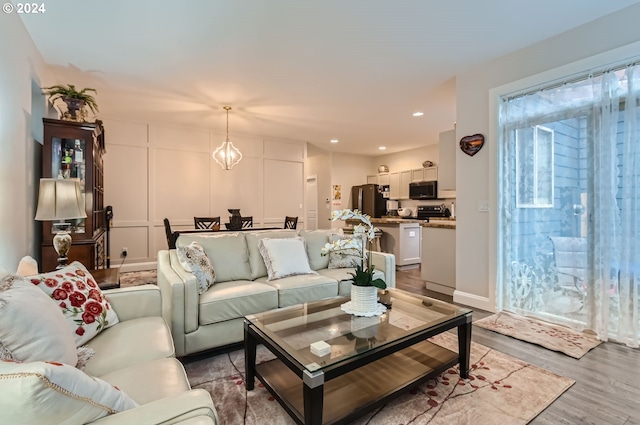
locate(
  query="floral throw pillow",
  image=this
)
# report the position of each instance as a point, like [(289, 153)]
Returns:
[(350, 255), (83, 304), (193, 259)]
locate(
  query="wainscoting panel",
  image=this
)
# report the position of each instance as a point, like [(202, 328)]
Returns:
[(127, 167)]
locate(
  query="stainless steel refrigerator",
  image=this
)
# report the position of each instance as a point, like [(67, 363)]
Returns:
[(368, 199)]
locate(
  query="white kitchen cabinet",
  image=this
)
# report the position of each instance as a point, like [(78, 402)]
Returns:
[(403, 241), (381, 179), (447, 169), (438, 265), (424, 174), (394, 185), (405, 179)]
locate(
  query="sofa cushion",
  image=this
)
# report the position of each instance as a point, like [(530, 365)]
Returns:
[(284, 257), (227, 252), (302, 288), (258, 269), (348, 251), (315, 241), (194, 260), (344, 278), (130, 343), (87, 310), (55, 393), (230, 300), (31, 326), (150, 381)]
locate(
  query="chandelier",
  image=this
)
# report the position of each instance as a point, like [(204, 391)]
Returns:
[(227, 155)]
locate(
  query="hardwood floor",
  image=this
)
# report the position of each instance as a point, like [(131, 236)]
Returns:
[(607, 388)]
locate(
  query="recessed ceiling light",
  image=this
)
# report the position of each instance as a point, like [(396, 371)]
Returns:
[(334, 140), (382, 148), (418, 114)]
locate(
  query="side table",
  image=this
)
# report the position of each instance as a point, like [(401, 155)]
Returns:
[(106, 278)]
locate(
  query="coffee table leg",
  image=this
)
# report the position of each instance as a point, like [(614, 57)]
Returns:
[(464, 347), (250, 345), (313, 395)]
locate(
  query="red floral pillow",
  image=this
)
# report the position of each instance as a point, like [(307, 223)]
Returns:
[(83, 304)]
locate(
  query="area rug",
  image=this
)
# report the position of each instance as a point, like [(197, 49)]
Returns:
[(500, 390), (128, 279), (554, 337)]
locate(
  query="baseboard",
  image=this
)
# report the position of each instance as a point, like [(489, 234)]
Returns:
[(136, 267), (472, 300), (408, 267), (443, 289)]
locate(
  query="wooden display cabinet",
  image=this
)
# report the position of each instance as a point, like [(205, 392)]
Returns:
[(75, 150)]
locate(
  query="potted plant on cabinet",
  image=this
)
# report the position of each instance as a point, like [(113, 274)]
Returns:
[(364, 288), (76, 100)]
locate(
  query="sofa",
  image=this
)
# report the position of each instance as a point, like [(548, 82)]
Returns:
[(135, 356), (214, 319)]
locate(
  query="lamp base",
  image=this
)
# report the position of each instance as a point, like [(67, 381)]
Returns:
[(62, 245)]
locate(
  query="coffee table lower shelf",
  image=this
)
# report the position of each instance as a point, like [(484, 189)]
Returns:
[(350, 395)]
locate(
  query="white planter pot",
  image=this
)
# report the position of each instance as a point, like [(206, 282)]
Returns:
[(364, 299)]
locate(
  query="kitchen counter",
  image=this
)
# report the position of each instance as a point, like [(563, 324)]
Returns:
[(440, 224)]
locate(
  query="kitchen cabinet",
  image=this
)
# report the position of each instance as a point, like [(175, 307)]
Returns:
[(403, 241), (394, 185), (75, 150), (438, 265), (405, 179), (447, 170), (424, 174), (381, 179)]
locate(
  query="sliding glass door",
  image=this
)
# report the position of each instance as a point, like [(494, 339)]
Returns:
[(569, 205)]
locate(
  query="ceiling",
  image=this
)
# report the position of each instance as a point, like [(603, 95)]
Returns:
[(353, 70)]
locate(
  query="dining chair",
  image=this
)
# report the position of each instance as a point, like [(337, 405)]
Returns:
[(247, 222), (170, 237), (212, 223), (290, 222)]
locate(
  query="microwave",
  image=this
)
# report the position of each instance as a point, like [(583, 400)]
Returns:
[(423, 190)]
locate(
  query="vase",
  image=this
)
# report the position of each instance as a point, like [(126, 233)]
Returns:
[(364, 300)]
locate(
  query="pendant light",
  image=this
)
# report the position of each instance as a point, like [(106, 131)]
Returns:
[(227, 155)]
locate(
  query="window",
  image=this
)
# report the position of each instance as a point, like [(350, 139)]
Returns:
[(534, 167)]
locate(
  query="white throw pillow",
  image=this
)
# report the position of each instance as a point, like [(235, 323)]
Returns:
[(284, 257), (193, 259), (54, 393), (77, 294), (31, 326), (351, 253)]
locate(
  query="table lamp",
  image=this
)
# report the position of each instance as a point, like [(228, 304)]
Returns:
[(60, 199)]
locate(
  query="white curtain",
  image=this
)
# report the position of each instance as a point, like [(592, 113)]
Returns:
[(596, 198)]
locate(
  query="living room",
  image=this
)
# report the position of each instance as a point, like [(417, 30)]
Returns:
[(140, 169)]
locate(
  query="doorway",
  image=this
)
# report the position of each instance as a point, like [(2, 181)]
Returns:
[(311, 221)]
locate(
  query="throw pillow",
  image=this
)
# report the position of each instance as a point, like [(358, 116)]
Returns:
[(54, 393), (87, 310), (31, 326), (193, 259), (350, 255), (284, 257)]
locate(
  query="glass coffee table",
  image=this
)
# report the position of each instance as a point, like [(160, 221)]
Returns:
[(369, 361)]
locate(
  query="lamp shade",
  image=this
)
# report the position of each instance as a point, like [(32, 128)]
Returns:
[(60, 199)]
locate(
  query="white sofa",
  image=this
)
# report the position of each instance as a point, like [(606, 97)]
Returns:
[(137, 356), (215, 318)]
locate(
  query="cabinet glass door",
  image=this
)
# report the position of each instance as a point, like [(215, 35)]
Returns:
[(68, 161)]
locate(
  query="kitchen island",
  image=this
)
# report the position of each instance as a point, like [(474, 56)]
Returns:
[(401, 237), (438, 268)]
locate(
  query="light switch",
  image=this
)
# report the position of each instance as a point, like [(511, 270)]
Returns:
[(483, 206), (412, 234)]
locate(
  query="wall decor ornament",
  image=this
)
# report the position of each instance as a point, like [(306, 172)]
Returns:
[(472, 144)]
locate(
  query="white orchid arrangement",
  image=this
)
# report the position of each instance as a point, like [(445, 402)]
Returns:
[(365, 232)]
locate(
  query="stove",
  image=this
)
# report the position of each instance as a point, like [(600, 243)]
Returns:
[(433, 211)]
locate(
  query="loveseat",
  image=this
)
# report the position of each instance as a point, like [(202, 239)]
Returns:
[(134, 359), (242, 286)]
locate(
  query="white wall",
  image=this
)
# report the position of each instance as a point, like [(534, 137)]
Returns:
[(348, 170), (21, 111), (411, 159), (476, 176), (153, 171)]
